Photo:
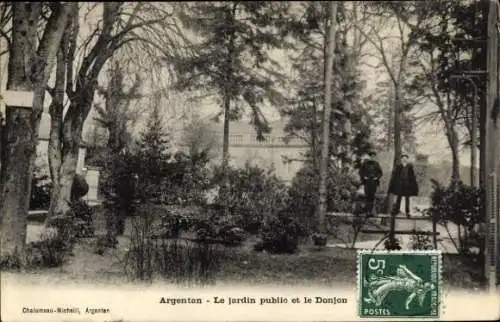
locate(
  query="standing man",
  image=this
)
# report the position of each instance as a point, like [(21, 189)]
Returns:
[(403, 184), (370, 173)]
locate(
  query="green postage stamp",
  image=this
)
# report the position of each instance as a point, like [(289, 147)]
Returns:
[(399, 284)]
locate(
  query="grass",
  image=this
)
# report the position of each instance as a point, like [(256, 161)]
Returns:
[(331, 266)]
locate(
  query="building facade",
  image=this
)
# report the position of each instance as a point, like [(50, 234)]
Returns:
[(285, 157)]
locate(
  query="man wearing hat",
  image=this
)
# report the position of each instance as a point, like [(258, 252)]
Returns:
[(403, 184), (370, 173)]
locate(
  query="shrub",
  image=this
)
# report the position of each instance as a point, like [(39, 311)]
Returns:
[(66, 232), (219, 231), (189, 179), (118, 185), (81, 214), (461, 205), (392, 244), (232, 236), (303, 195), (421, 242), (50, 251), (76, 223), (280, 234), (11, 261), (254, 194), (168, 221)]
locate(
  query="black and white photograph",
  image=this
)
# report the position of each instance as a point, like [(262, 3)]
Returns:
[(230, 160)]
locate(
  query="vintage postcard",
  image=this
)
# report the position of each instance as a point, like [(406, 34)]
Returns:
[(250, 161)]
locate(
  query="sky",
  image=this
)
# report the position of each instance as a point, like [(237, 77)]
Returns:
[(430, 137)]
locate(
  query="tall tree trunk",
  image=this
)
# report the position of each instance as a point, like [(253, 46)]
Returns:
[(326, 120), (396, 140), (455, 154), (56, 109), (71, 140), (29, 70), (314, 144), (397, 126), (482, 139), (397, 155), (228, 88), (473, 142), (225, 143)]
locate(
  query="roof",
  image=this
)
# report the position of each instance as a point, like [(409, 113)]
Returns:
[(244, 127), (243, 132)]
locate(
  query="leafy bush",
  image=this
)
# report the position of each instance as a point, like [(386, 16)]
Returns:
[(171, 220), (118, 185), (421, 242), (462, 205), (392, 244), (11, 261), (76, 223), (253, 195), (50, 251), (189, 179), (220, 230), (303, 195), (280, 234), (81, 215), (65, 227), (232, 236)]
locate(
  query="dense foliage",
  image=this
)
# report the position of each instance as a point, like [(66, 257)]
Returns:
[(280, 234), (231, 59), (303, 196), (254, 194), (461, 205)]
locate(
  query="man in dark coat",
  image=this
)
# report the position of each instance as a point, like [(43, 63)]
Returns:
[(403, 184), (370, 173)]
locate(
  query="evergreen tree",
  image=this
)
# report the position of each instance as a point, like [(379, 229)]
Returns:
[(116, 118), (232, 57), (350, 122), (153, 156)]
